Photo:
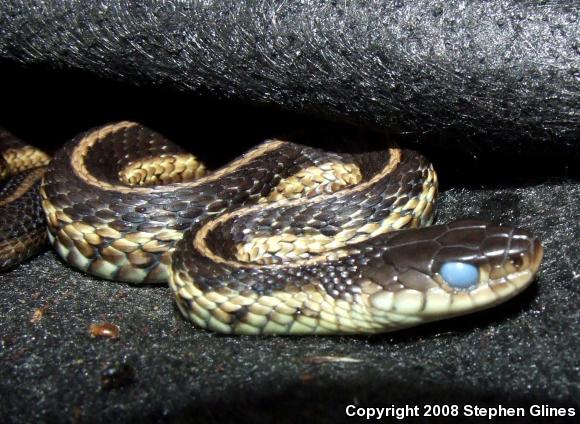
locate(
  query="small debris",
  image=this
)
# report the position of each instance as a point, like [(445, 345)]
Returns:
[(330, 359), (37, 315), (121, 294), (117, 375), (104, 329)]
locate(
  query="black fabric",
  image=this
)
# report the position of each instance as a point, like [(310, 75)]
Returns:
[(477, 76), (488, 91), (519, 354)]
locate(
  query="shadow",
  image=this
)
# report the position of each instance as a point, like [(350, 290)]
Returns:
[(48, 107)]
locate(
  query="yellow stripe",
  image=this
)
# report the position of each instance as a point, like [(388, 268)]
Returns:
[(200, 245), (24, 158), (80, 152), (24, 186)]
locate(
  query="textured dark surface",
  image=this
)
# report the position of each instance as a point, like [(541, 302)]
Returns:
[(516, 104), (477, 76), (521, 353)]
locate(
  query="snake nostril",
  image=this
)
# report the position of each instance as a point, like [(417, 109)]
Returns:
[(517, 261)]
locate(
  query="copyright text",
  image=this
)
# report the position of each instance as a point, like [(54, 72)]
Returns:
[(489, 412)]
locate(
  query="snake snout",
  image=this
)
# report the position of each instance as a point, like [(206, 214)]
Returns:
[(537, 255), (511, 255)]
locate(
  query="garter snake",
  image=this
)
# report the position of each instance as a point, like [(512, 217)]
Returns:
[(286, 239), (22, 223)]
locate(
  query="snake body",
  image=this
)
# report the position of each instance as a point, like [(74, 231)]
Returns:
[(22, 222), (286, 239)]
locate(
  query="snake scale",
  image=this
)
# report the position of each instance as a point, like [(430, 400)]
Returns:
[(286, 239)]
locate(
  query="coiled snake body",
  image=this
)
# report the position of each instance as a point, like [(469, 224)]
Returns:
[(287, 239)]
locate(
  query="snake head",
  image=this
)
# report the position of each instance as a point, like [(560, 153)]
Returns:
[(446, 270)]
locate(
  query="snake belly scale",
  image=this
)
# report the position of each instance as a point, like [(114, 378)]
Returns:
[(286, 239)]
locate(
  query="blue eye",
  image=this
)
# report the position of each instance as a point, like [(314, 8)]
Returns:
[(459, 274)]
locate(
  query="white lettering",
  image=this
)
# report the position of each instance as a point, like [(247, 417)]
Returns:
[(492, 412), (546, 411), (399, 413)]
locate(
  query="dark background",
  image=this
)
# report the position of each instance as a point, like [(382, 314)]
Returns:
[(495, 108), (46, 107)]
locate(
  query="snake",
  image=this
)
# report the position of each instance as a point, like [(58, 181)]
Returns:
[(286, 239)]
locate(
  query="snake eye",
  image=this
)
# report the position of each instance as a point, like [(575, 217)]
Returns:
[(460, 275)]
